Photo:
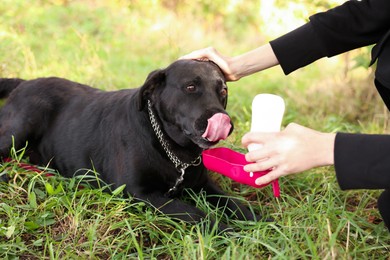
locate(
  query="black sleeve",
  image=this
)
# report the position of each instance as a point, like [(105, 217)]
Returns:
[(349, 26), (362, 161)]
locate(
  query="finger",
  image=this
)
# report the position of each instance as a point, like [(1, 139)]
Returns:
[(255, 137), (269, 177), (202, 54), (255, 167), (261, 154), (260, 166), (195, 55), (257, 155)]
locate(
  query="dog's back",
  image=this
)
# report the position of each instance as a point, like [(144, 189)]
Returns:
[(7, 85)]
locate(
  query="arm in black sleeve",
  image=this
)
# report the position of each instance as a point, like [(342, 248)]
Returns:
[(349, 26), (362, 161)]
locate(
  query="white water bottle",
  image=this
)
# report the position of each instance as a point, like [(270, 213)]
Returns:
[(267, 115)]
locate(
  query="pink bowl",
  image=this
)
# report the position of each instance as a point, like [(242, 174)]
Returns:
[(231, 164)]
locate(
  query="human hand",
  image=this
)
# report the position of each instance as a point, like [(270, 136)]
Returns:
[(211, 54), (239, 66), (293, 150)]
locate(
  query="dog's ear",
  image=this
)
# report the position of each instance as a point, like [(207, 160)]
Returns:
[(155, 79), (226, 100), (224, 81)]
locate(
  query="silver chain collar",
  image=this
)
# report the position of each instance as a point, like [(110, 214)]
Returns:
[(179, 165)]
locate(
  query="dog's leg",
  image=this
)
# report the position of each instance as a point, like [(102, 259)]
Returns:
[(8, 138), (28, 112), (233, 207), (173, 207), (14, 128), (178, 209)]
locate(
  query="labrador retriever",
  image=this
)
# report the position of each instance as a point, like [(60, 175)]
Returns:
[(149, 138)]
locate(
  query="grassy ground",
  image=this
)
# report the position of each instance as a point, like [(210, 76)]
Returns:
[(113, 45)]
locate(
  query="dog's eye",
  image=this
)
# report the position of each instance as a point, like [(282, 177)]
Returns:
[(224, 92), (191, 88)]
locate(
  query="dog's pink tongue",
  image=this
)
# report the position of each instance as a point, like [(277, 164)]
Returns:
[(218, 127)]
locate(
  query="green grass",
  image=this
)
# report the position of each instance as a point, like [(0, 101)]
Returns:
[(115, 44)]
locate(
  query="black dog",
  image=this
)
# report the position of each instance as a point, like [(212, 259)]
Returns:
[(148, 138)]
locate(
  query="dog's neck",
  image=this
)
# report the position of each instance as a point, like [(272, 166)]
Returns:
[(180, 165)]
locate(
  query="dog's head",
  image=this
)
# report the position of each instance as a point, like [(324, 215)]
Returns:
[(189, 98)]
